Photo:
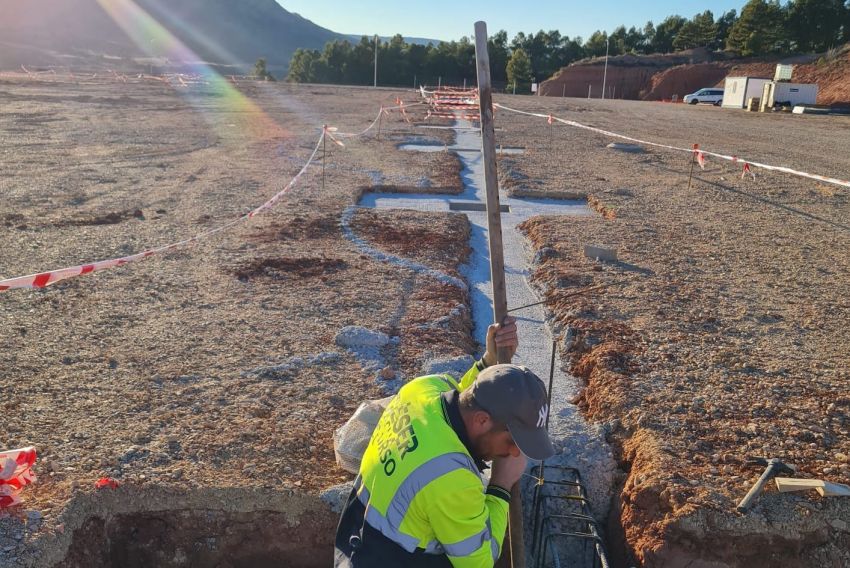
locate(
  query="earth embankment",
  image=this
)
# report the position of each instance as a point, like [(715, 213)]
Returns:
[(663, 77)]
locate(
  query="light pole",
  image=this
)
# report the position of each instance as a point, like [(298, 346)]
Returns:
[(605, 73), (376, 61)]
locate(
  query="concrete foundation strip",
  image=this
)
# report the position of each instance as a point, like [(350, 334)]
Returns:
[(733, 159)]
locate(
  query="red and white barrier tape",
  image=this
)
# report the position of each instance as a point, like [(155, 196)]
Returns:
[(734, 159), (452, 115), (15, 474), (44, 279)]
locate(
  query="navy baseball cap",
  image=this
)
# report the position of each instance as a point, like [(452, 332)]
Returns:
[(516, 397)]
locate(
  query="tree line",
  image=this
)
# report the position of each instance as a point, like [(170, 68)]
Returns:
[(763, 27)]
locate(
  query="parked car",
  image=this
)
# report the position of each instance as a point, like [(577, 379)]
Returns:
[(712, 96)]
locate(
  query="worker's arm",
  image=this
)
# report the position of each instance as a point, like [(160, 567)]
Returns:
[(470, 525), (502, 335)]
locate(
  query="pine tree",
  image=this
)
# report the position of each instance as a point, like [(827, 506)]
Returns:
[(666, 32), (519, 70), (816, 25), (688, 36), (648, 38), (724, 24), (595, 44), (759, 30), (260, 70), (706, 28)]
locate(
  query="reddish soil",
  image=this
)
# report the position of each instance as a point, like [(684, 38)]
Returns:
[(684, 79), (719, 335), (652, 78)]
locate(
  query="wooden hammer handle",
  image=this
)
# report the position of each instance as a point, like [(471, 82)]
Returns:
[(756, 489)]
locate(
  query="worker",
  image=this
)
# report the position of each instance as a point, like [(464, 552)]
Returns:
[(419, 499)]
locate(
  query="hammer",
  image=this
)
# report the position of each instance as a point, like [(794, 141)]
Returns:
[(773, 468)]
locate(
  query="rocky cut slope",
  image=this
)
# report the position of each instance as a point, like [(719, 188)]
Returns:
[(660, 77)]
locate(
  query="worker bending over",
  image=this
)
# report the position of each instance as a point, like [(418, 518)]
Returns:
[(419, 499)]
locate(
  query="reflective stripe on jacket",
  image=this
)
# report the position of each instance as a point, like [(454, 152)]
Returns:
[(420, 486)]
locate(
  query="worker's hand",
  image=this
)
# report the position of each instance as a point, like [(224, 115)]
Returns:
[(500, 336), (507, 471)]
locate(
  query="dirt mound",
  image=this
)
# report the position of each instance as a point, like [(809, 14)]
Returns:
[(111, 218), (308, 226), (282, 268), (584, 80), (684, 79)]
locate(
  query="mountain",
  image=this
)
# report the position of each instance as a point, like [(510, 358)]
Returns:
[(80, 33), (354, 38)]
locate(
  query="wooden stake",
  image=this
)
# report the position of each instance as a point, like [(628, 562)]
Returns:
[(324, 151), (514, 553), (693, 159)]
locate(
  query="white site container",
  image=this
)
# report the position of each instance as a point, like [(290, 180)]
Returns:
[(737, 90), (792, 94)]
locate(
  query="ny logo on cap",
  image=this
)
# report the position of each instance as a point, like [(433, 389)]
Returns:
[(541, 416)]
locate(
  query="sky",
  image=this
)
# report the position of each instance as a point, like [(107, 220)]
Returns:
[(451, 19)]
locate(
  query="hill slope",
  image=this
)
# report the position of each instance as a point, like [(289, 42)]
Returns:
[(658, 77), (75, 32)]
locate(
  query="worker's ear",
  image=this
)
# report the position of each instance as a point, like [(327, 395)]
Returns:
[(481, 421)]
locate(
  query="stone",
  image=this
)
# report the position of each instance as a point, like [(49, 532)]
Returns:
[(600, 253), (623, 147), (351, 336)]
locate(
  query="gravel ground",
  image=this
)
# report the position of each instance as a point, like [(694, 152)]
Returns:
[(215, 365), (721, 332)]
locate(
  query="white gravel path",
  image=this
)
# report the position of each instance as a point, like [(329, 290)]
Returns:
[(580, 444)]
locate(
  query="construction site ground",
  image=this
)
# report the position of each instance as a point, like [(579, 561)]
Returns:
[(721, 332), (210, 378)]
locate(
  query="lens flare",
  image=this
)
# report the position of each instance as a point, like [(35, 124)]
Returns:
[(157, 41)]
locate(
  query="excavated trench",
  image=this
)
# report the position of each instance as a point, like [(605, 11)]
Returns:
[(200, 538), (139, 527), (204, 527)]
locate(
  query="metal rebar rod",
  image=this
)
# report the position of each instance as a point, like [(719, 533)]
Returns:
[(579, 293)]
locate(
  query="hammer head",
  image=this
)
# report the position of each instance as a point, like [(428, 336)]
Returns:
[(776, 466)]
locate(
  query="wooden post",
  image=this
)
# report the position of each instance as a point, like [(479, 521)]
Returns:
[(324, 151), (513, 553), (693, 160)]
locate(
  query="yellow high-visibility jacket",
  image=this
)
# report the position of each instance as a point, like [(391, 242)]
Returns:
[(419, 484)]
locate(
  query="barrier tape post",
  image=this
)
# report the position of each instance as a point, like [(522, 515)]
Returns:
[(380, 120), (693, 159), (324, 151), (551, 123)]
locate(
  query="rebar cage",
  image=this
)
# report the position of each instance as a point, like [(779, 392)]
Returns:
[(564, 533)]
